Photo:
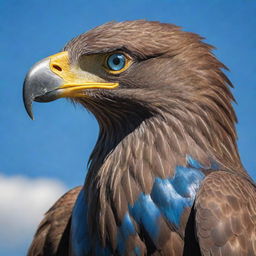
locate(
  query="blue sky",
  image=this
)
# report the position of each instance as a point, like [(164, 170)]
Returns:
[(57, 144)]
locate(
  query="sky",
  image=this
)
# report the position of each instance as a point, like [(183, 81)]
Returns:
[(41, 159)]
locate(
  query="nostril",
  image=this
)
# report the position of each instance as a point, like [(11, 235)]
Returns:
[(57, 67)]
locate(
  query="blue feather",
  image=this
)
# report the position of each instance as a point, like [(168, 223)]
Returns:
[(145, 212), (186, 181), (173, 195), (195, 164), (169, 198), (170, 203), (80, 238), (125, 230)]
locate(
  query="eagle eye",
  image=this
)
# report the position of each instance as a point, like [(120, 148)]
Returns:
[(116, 63)]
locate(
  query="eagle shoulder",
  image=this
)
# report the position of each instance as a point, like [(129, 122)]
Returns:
[(225, 210)]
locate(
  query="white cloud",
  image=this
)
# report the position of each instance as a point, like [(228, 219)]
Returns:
[(23, 202)]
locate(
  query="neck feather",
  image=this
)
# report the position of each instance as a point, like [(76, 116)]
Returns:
[(126, 159)]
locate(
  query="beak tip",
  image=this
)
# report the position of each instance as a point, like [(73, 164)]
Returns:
[(31, 116), (27, 100), (28, 107), (39, 82)]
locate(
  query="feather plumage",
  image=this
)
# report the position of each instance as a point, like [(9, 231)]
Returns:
[(226, 215), (165, 176)]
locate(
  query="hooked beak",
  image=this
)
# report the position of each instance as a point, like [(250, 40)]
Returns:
[(53, 78)]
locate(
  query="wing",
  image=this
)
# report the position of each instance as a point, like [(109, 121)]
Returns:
[(52, 235), (225, 210)]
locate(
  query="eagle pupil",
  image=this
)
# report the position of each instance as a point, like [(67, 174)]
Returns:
[(116, 60)]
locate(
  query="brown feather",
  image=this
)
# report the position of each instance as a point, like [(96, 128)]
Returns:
[(225, 221)]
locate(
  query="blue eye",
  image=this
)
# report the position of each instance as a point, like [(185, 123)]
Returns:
[(116, 61)]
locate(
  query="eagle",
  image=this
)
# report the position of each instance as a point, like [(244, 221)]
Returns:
[(165, 176)]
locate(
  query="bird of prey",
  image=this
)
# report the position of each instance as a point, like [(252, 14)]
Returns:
[(165, 176)]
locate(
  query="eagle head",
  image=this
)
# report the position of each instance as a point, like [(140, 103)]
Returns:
[(141, 64), (128, 72)]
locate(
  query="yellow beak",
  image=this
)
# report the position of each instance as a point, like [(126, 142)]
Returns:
[(54, 78), (75, 80)]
